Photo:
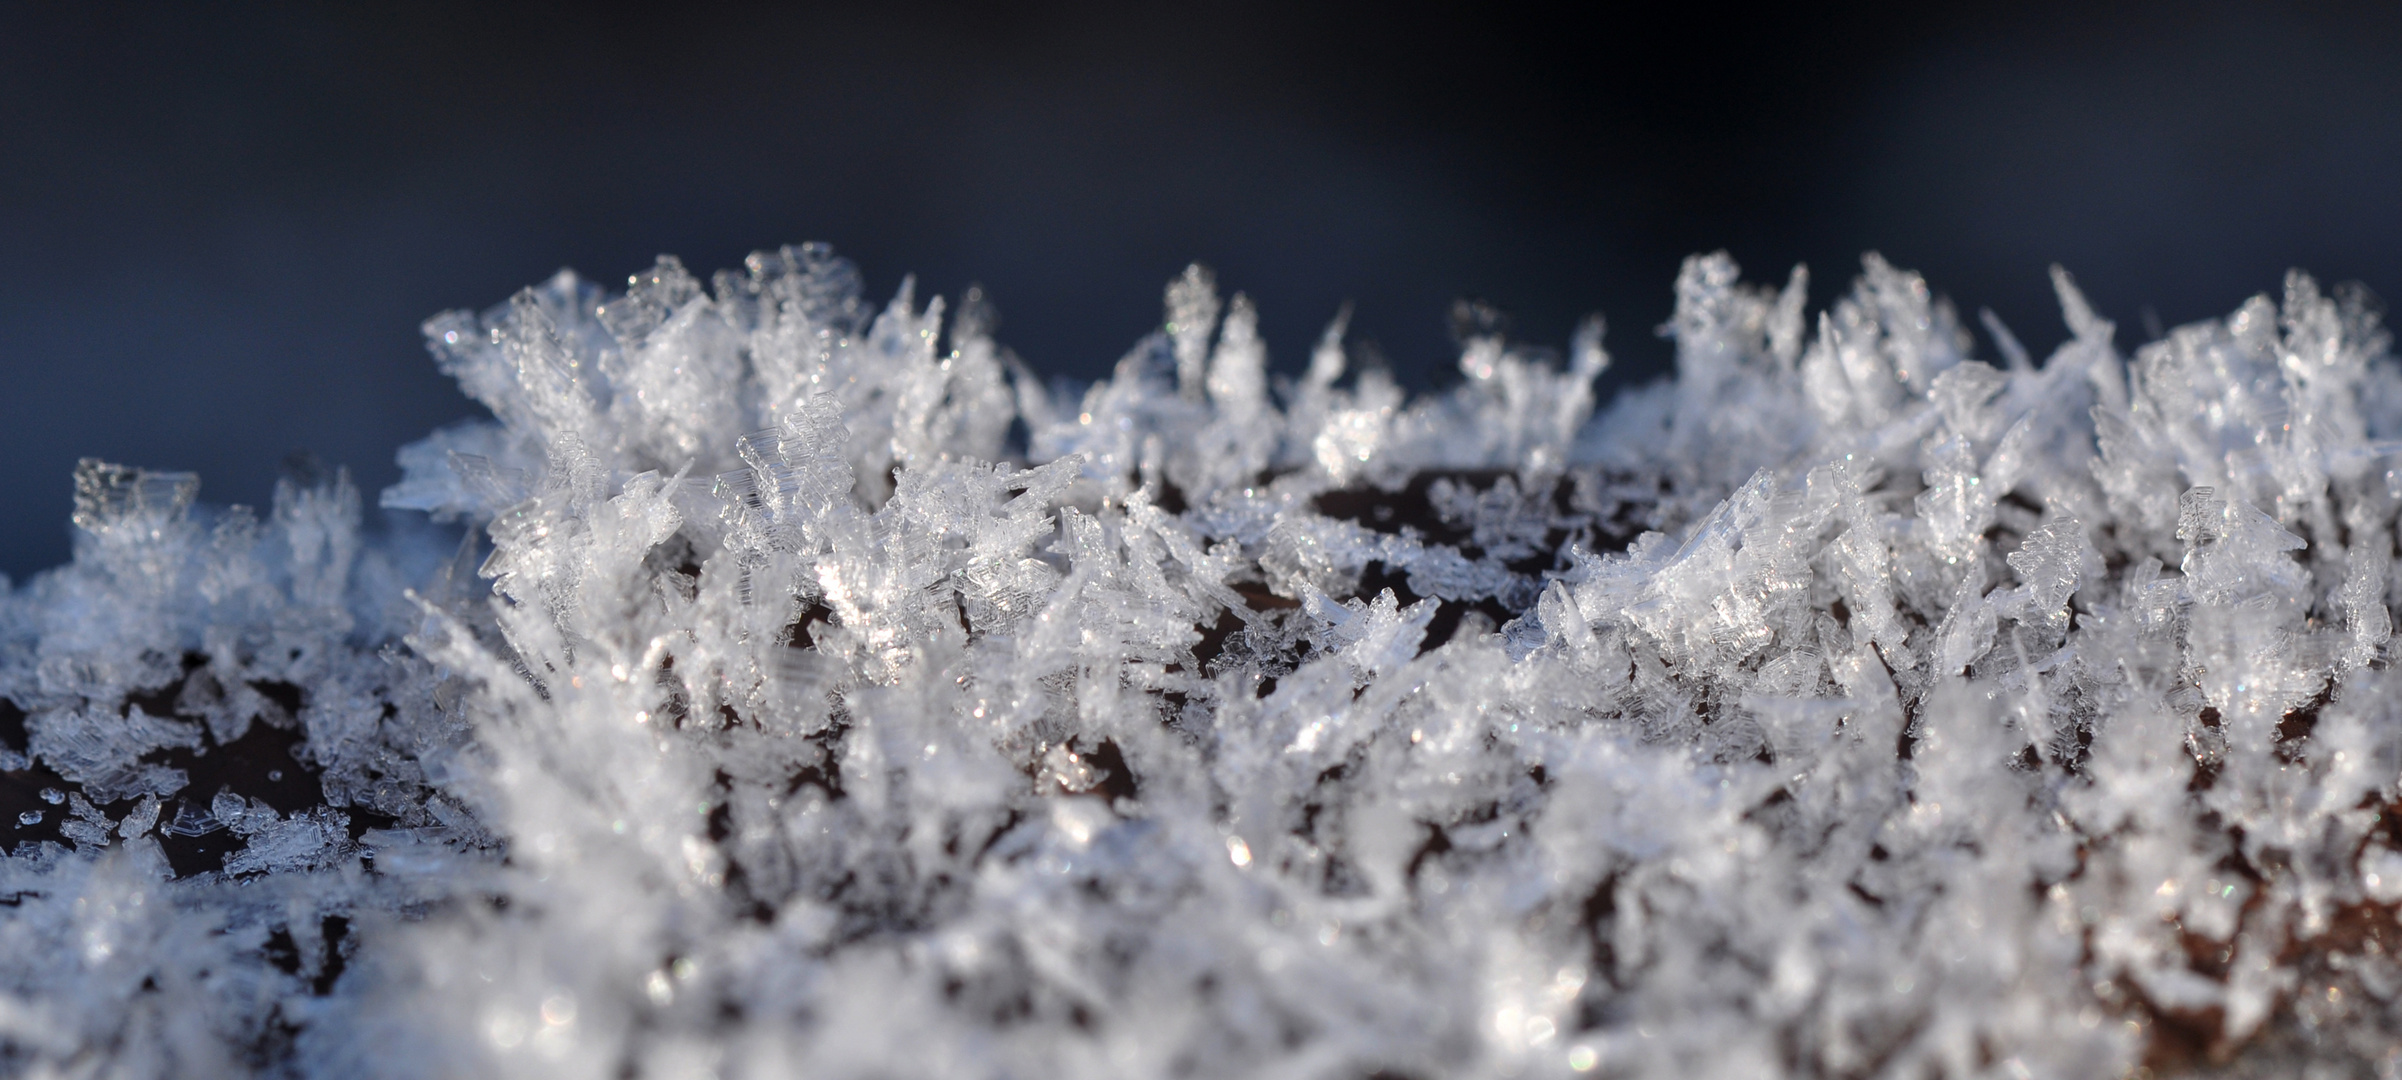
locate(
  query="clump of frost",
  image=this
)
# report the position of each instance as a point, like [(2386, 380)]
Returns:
[(1842, 706)]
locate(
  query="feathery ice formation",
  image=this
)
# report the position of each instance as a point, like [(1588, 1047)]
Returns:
[(1842, 707)]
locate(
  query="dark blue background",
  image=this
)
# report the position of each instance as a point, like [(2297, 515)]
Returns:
[(221, 226)]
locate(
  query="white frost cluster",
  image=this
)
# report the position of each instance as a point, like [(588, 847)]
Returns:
[(818, 693)]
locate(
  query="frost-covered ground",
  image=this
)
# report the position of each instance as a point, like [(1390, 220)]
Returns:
[(818, 693)]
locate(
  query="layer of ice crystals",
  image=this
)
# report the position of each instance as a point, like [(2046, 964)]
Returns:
[(1843, 706)]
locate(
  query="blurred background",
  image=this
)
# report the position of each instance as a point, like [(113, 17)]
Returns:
[(223, 226)]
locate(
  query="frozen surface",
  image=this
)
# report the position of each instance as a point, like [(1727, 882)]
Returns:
[(818, 692)]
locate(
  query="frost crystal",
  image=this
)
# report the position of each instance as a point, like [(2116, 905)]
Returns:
[(817, 692)]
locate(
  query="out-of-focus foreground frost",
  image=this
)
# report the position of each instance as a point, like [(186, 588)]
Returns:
[(819, 693)]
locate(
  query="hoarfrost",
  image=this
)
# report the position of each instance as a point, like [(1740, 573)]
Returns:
[(1843, 706)]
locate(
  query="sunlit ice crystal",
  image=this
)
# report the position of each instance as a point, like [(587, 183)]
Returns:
[(782, 683)]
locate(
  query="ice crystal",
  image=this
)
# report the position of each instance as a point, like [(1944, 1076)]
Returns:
[(816, 691)]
